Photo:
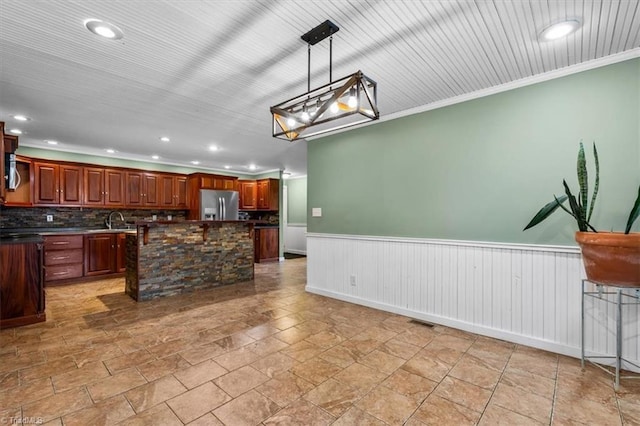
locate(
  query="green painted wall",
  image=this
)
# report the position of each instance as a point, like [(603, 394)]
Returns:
[(479, 170), (297, 201)]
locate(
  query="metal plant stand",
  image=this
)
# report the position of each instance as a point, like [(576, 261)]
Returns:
[(619, 303)]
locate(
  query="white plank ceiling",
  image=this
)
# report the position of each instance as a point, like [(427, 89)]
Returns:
[(206, 72)]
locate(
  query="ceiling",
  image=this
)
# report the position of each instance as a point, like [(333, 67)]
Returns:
[(206, 72)]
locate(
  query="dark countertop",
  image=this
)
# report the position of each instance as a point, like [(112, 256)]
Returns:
[(17, 232), (8, 233), (21, 238)]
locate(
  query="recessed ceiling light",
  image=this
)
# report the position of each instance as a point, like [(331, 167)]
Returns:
[(227, 167), (111, 151), (104, 29), (165, 139), (252, 167), (16, 131), (560, 29), (50, 142), (20, 117), (155, 157), (196, 162), (213, 148)]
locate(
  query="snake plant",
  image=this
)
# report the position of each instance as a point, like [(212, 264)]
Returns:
[(581, 208)]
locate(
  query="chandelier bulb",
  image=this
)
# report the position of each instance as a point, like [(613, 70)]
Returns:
[(334, 107)]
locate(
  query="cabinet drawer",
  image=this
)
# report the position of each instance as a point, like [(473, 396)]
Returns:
[(62, 242), (61, 257), (62, 272)]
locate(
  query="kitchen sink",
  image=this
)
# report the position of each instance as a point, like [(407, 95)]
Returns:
[(112, 230)]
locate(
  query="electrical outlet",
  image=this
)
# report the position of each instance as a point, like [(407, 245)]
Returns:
[(169, 217), (49, 218), (154, 217), (352, 280)]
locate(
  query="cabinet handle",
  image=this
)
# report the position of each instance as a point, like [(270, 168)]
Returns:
[(60, 257), (60, 243), (60, 273)]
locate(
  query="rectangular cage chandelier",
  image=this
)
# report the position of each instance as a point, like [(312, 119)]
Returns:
[(342, 103)]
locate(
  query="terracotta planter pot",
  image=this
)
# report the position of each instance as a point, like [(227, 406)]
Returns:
[(611, 257)]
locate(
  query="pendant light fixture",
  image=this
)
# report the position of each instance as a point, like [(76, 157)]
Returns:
[(342, 103)]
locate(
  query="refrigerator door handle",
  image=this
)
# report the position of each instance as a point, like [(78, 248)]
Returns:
[(219, 209), (224, 209)]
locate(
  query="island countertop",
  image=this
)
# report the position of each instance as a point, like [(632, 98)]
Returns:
[(166, 258)]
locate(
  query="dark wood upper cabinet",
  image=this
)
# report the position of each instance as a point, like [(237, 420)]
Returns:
[(47, 182), (103, 187), (180, 191), (57, 184), (268, 194), (151, 183), (134, 189), (114, 188), (93, 186), (70, 185), (248, 194), (142, 189), (52, 183)]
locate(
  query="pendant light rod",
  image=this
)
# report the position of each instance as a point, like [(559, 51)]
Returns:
[(309, 67), (330, 57)]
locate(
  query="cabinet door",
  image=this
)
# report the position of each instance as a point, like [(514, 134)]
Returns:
[(180, 191), (70, 185), (224, 183), (151, 190), (2, 171), (263, 194), (114, 187), (249, 193), (93, 186), (134, 189), (166, 188), (121, 251), (47, 184), (268, 244), (98, 257), (20, 284)]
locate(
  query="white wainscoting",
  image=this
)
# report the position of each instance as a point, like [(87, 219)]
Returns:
[(295, 238), (525, 294)]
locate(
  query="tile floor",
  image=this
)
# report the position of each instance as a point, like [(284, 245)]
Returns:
[(266, 352)]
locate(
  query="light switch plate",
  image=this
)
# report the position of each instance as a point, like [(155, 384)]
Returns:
[(316, 212), (49, 218)]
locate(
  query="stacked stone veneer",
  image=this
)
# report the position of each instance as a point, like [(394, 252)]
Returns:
[(176, 260)]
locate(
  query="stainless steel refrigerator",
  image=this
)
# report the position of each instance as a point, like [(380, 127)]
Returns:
[(218, 205)]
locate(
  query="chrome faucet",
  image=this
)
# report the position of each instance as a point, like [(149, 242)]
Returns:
[(109, 220)]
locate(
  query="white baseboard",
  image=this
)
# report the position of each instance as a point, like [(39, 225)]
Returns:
[(303, 252)]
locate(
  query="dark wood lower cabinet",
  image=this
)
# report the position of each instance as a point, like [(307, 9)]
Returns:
[(266, 244), (21, 283), (104, 254)]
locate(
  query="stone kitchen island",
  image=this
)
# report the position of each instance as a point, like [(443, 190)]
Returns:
[(170, 258)]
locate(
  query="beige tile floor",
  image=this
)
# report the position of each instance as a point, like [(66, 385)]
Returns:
[(266, 352)]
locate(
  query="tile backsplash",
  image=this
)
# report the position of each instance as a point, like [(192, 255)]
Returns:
[(64, 217)]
